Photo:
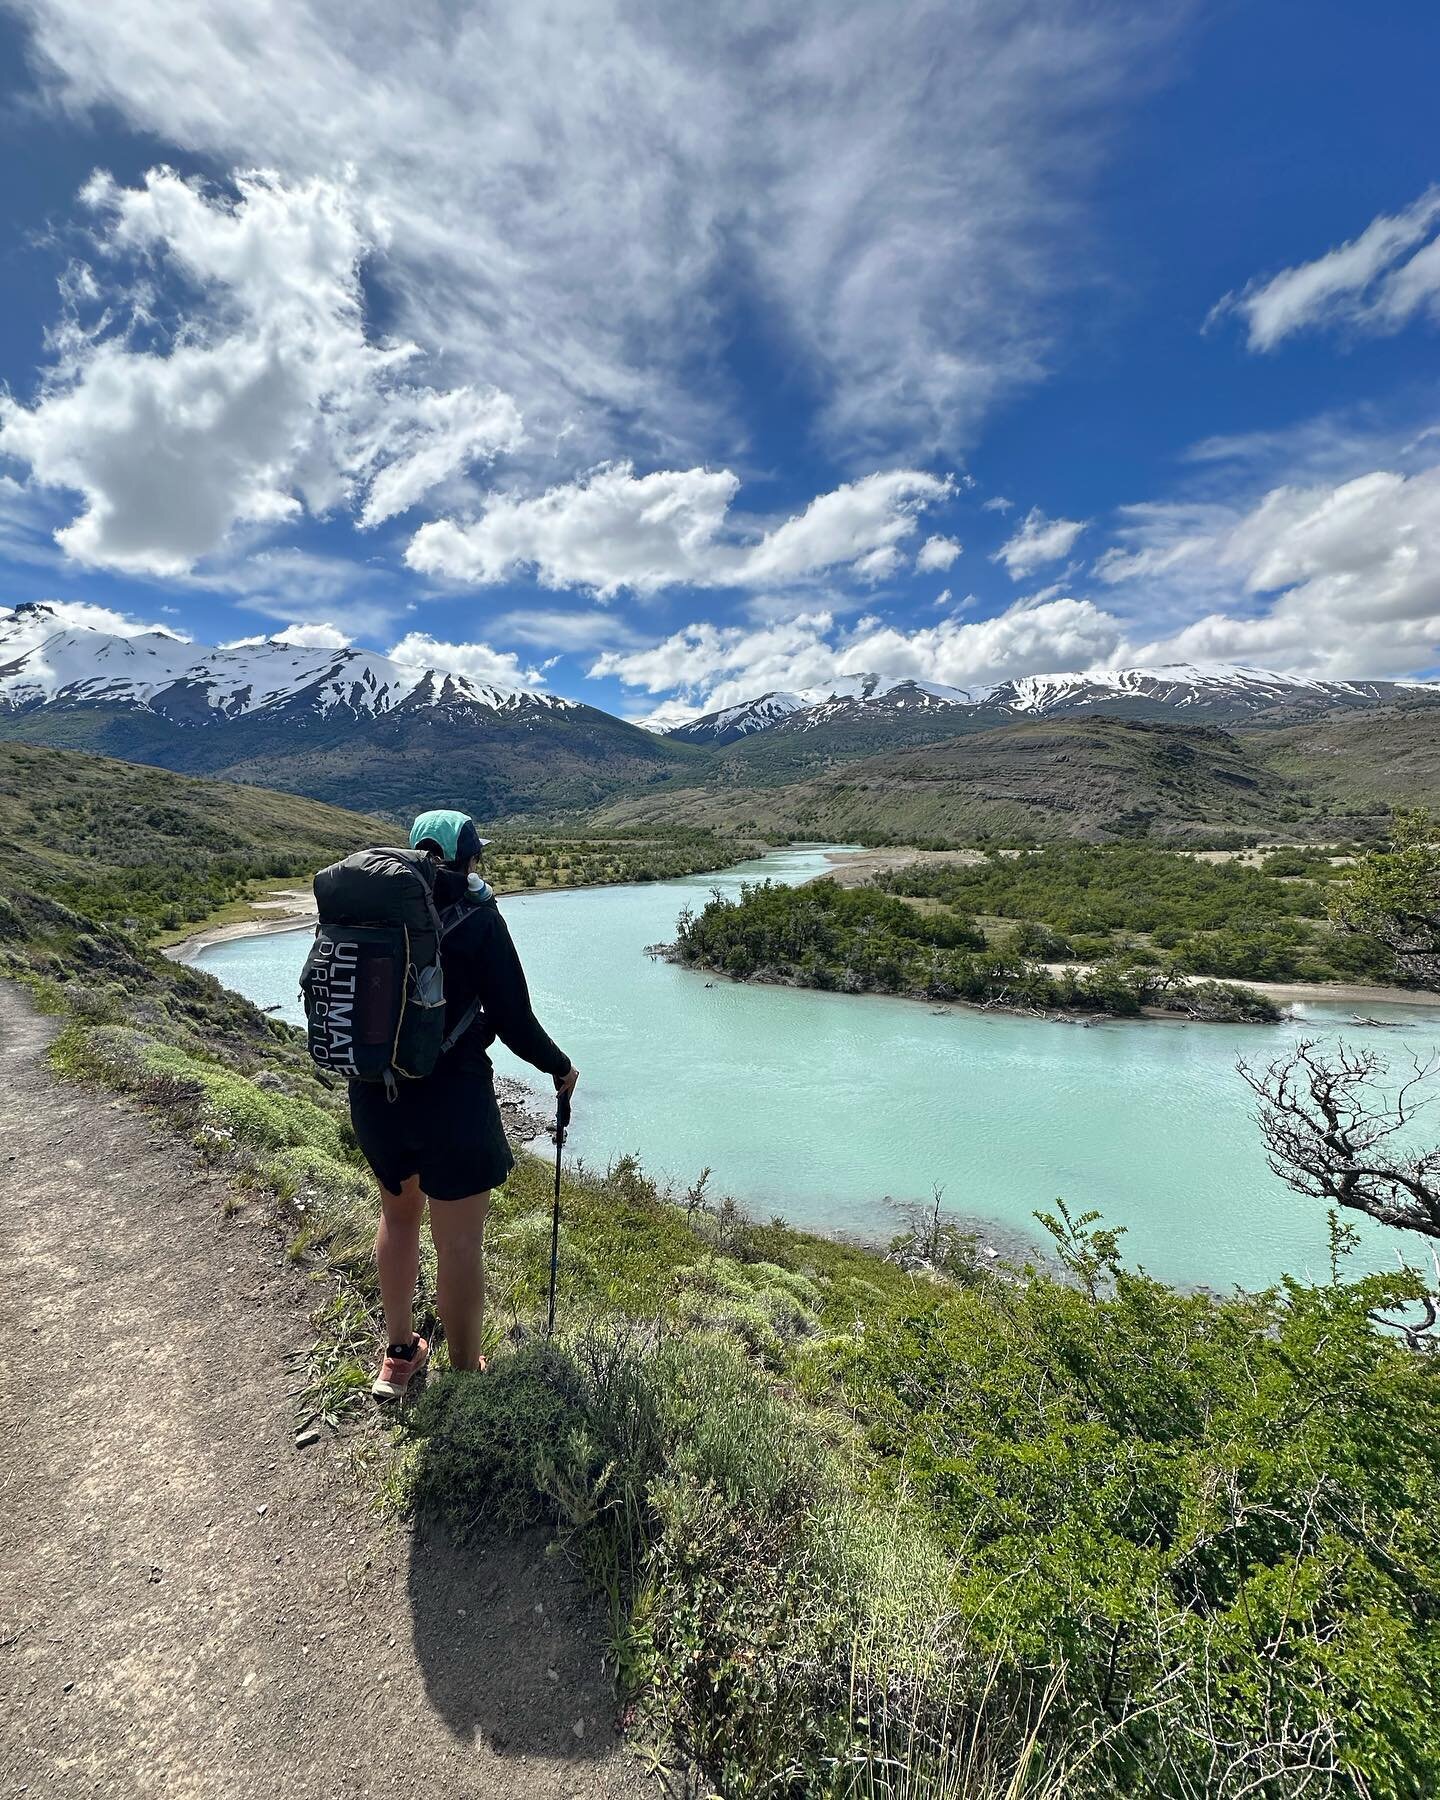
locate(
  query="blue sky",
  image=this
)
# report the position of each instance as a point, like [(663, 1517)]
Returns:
[(661, 359)]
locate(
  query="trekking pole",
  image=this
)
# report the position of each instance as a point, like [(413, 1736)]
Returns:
[(562, 1120)]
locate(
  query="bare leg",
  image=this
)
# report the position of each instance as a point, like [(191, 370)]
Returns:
[(397, 1257), (458, 1228)]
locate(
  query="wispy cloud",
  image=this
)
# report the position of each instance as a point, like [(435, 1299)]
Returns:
[(577, 196), (501, 668), (1376, 282), (265, 396)]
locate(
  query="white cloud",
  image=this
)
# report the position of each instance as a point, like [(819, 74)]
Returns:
[(877, 565), (997, 503), (1331, 579), (613, 529), (667, 716), (609, 530), (937, 553), (787, 653), (443, 435), (314, 637), (266, 396), (1370, 282), (566, 186), (873, 514), (500, 668), (724, 665), (303, 637), (1037, 541), (1026, 638)]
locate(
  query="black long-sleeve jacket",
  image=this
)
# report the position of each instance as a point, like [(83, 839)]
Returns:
[(481, 963)]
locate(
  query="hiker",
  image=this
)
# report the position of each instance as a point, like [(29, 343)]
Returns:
[(441, 1138)]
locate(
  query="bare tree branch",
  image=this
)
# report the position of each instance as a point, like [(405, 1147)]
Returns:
[(1329, 1132)]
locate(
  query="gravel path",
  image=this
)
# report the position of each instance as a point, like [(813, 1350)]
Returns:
[(189, 1605)]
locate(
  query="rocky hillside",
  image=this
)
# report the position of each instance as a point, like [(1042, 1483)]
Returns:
[(1046, 778), (785, 737)]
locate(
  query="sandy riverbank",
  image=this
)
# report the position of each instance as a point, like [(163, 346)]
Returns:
[(1302, 993), (1298, 993), (286, 910)]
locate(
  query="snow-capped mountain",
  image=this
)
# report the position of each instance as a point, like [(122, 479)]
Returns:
[(192, 684), (1189, 688), (805, 708), (360, 728), (345, 725), (1215, 692)]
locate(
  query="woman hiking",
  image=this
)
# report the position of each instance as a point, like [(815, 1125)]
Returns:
[(441, 1139)]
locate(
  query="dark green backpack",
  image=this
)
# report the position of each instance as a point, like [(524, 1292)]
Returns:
[(372, 985)]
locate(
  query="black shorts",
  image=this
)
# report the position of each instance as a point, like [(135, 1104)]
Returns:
[(446, 1129)]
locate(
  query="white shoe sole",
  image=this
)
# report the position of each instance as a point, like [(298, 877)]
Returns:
[(388, 1390)]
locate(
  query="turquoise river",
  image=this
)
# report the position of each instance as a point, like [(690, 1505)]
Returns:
[(833, 1110)]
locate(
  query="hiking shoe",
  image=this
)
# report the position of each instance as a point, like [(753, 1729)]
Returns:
[(398, 1368)]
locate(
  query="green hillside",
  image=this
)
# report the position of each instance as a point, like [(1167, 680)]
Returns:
[(120, 842), (1099, 778), (768, 758), (880, 778), (1054, 778), (1355, 762)]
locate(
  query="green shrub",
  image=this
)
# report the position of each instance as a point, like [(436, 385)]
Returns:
[(860, 940), (793, 1637), (261, 1119), (1217, 1516)]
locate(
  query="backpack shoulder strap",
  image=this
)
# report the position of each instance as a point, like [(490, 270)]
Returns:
[(460, 910), (460, 1027), (451, 917)]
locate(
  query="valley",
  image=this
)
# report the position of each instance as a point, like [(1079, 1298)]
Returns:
[(1183, 754), (908, 1158), (859, 1217)]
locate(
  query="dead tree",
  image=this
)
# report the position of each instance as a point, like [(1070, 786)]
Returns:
[(1330, 1132)]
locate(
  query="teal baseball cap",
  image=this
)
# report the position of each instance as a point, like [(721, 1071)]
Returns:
[(454, 832)]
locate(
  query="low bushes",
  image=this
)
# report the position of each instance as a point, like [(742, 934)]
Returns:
[(1226, 919), (1078, 1533), (858, 940), (792, 1638)]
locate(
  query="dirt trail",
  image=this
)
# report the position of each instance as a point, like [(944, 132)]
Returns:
[(190, 1606)]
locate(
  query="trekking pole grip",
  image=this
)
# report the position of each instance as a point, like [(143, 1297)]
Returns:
[(562, 1114)]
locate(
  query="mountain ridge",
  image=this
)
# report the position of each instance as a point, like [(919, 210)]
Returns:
[(192, 684), (329, 723), (340, 723), (1223, 692)]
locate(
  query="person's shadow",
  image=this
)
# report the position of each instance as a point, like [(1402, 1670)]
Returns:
[(509, 1645)]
